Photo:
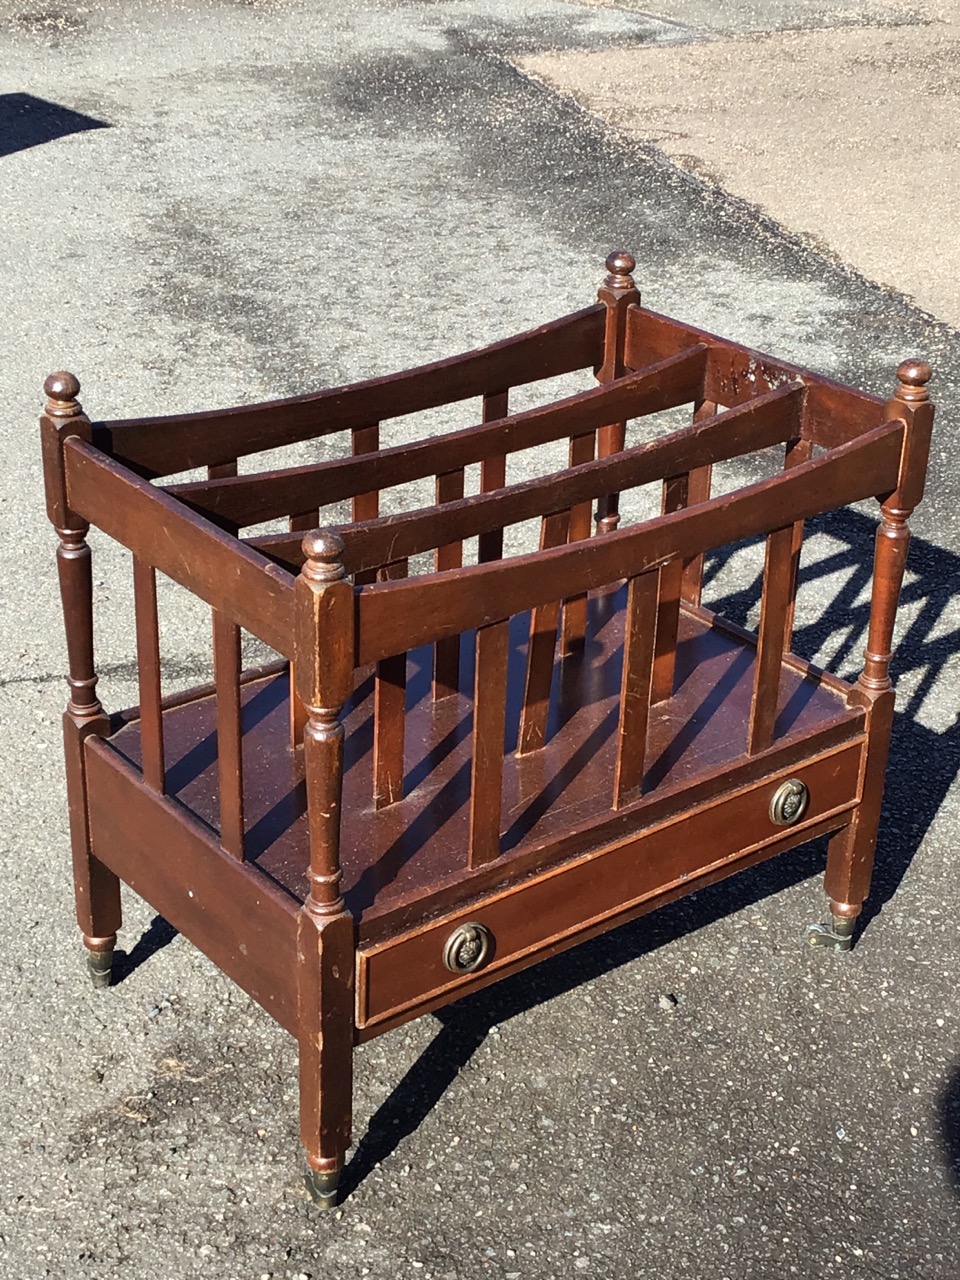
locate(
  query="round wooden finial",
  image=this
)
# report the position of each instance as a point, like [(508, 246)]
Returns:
[(323, 555), (618, 282), (913, 376), (61, 390), (621, 263)]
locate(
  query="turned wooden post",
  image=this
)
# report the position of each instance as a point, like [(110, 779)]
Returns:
[(97, 889), (617, 293), (323, 662), (850, 858)]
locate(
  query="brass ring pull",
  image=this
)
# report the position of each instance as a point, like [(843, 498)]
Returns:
[(468, 948), (789, 802)]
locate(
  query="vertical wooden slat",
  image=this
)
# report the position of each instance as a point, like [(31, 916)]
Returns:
[(774, 608), (574, 626), (797, 451), (610, 440), (389, 714), (540, 651), (489, 722), (222, 470), (698, 490), (493, 475), (305, 521), (446, 656), (676, 490), (148, 673), (636, 685), (226, 674), (366, 506)]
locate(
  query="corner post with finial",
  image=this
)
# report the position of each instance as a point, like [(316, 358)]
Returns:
[(324, 665), (617, 293), (96, 888), (851, 851)]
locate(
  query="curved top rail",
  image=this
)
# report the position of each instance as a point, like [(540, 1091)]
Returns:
[(396, 616), (161, 446)]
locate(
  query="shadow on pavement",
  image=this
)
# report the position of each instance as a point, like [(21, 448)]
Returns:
[(26, 121)]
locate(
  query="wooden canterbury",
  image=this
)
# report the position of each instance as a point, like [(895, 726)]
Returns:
[(453, 775)]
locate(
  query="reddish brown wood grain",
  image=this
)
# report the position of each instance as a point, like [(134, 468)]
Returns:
[(433, 607)]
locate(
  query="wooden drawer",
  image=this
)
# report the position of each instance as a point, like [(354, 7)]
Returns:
[(544, 914)]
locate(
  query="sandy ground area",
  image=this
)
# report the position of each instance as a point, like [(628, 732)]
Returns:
[(848, 138)]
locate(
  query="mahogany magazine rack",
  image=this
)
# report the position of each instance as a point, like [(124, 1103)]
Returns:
[(449, 775)]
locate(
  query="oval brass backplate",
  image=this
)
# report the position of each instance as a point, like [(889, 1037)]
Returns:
[(468, 948), (789, 802)]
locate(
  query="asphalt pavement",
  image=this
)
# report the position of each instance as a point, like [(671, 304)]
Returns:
[(209, 203)]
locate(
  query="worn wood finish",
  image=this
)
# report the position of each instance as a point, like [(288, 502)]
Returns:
[(456, 764), (834, 414)]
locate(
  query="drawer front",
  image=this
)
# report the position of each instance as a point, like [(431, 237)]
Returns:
[(520, 923)]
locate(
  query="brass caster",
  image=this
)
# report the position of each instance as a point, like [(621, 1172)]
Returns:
[(836, 936), (322, 1187), (100, 968)]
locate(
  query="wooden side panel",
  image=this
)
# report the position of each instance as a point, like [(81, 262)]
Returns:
[(226, 908)]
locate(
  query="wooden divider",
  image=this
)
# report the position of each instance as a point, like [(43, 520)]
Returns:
[(226, 674), (389, 714), (770, 419), (541, 650), (636, 686), (405, 615), (446, 653), (148, 674), (489, 723), (247, 500), (493, 475)]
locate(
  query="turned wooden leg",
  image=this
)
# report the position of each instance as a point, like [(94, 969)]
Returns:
[(326, 963)]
